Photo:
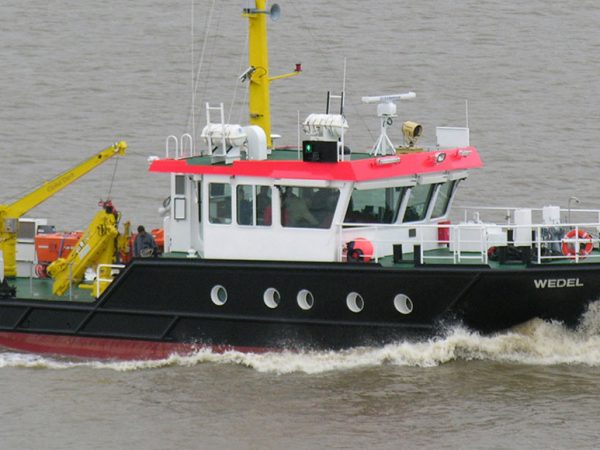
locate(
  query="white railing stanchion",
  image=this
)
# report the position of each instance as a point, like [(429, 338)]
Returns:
[(105, 280), (538, 243), (167, 146)]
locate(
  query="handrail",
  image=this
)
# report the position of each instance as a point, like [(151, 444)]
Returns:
[(180, 151), (104, 280), (472, 240), (170, 138)]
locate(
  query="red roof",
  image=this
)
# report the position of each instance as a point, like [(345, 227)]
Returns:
[(358, 170)]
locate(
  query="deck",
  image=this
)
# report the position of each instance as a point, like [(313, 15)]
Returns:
[(31, 288)]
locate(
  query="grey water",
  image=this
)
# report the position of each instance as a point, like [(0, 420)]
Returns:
[(78, 75)]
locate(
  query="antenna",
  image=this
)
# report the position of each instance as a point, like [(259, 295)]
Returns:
[(386, 110), (343, 88)]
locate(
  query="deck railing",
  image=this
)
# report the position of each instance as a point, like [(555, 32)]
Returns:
[(182, 147), (114, 269), (477, 242)]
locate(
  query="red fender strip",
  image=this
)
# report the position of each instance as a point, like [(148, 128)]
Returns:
[(105, 348)]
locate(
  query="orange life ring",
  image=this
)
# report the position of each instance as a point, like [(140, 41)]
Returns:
[(585, 247), (359, 250)]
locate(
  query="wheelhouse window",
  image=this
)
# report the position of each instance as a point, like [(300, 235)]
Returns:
[(179, 206), (219, 203), (264, 208), (244, 197), (307, 207), (420, 196), (253, 205), (375, 205), (443, 199), (179, 185)]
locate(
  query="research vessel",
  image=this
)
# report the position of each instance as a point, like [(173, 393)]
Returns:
[(317, 247)]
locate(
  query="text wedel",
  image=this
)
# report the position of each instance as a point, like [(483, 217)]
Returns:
[(558, 283)]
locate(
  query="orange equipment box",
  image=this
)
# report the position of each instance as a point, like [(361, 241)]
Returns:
[(49, 247)]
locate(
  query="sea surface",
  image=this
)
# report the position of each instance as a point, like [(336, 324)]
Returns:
[(78, 75)]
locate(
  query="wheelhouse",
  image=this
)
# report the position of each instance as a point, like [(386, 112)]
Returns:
[(285, 208)]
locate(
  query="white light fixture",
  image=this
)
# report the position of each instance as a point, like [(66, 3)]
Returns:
[(438, 157), (462, 153), (386, 160)]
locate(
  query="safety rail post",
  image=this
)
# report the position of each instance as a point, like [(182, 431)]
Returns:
[(31, 263), (421, 255), (483, 243), (107, 280), (169, 139), (187, 137), (70, 281), (576, 244), (538, 243), (458, 241)]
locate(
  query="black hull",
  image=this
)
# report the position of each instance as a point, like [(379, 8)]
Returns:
[(169, 301)]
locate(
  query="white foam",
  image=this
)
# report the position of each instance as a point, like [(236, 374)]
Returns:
[(536, 342)]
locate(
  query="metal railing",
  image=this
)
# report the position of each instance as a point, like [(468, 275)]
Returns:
[(480, 242), (114, 270), (176, 147)]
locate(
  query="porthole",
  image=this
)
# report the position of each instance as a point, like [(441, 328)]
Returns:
[(305, 299), (403, 304), (218, 295), (355, 302), (272, 298)]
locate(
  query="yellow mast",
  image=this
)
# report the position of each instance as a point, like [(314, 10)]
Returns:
[(258, 72)]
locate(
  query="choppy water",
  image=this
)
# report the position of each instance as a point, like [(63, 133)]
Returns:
[(77, 76)]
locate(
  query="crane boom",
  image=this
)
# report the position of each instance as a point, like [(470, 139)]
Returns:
[(9, 214), (51, 187)]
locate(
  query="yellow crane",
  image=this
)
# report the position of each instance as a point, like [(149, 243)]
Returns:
[(98, 246), (10, 214)]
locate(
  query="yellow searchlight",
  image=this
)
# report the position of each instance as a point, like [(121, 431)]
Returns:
[(411, 131)]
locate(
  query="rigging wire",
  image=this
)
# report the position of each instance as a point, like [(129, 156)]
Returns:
[(212, 53), (245, 102), (112, 180), (237, 82), (190, 121)]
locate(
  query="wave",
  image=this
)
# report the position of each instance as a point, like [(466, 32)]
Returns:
[(536, 342)]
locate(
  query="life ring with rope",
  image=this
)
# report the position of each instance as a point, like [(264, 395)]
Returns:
[(585, 243)]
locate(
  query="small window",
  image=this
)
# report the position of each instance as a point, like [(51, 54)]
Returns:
[(218, 295), (443, 199), (244, 196), (264, 208), (179, 185), (179, 208), (375, 205), (219, 203), (305, 299), (272, 298), (26, 230), (416, 209)]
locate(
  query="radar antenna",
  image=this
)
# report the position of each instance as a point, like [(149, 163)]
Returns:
[(386, 110)]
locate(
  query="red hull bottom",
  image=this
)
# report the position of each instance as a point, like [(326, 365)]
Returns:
[(105, 348)]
